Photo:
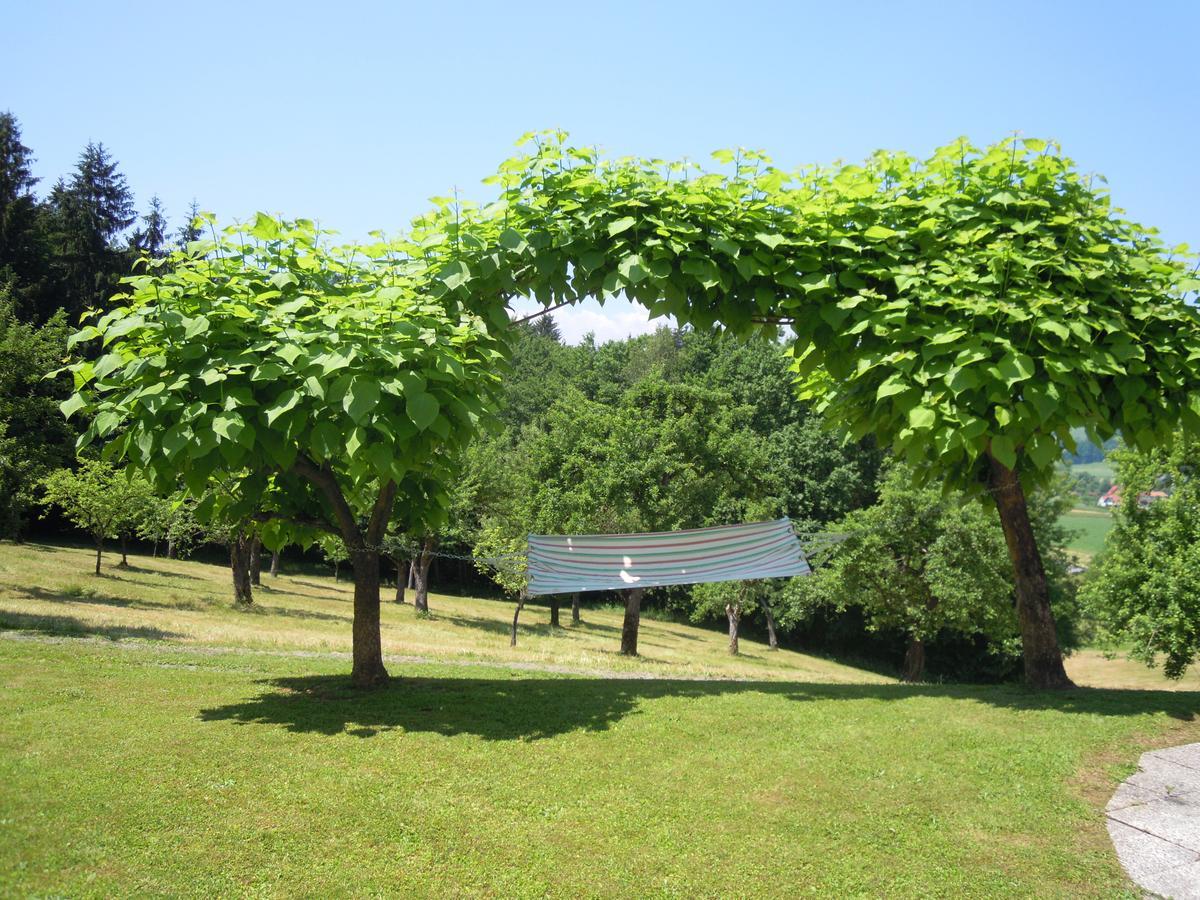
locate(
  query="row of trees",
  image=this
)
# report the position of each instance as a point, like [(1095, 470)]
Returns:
[(967, 311)]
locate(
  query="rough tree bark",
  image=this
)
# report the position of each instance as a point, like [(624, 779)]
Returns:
[(421, 598), (99, 551), (575, 620), (256, 561), (274, 563), (733, 612), (124, 552), (914, 661), (367, 670), (769, 615), (554, 602), (633, 618), (1039, 638)]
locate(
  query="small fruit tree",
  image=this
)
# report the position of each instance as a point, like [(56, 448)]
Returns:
[(317, 377)]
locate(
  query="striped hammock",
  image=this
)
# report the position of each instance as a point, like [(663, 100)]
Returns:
[(564, 564)]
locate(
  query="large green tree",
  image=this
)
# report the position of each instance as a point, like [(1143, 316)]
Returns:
[(318, 376), (968, 310), (1145, 586)]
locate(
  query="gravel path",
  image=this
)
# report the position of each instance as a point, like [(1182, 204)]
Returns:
[(1154, 821)]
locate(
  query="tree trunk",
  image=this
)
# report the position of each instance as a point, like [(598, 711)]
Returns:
[(421, 598), (274, 563), (367, 652), (516, 615), (554, 613), (239, 564), (154, 552), (769, 614), (633, 618), (400, 575), (124, 552), (733, 612), (1039, 639), (256, 561), (170, 548), (412, 573), (914, 660), (575, 608), (99, 553)]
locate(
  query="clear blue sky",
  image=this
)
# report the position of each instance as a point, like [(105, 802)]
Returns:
[(354, 113)]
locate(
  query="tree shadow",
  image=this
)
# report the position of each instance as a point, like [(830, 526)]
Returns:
[(68, 626), (84, 595), (260, 609), (322, 587), (530, 709)]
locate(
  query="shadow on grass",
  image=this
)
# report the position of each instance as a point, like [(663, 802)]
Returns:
[(527, 709), (67, 626), (329, 587), (257, 608), (76, 594)]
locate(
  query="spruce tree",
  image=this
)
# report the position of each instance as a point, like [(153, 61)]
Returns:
[(22, 257), (189, 231), (151, 238), (89, 213)]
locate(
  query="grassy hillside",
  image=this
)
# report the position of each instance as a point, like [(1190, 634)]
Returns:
[(155, 741), (1102, 469), (1090, 526)]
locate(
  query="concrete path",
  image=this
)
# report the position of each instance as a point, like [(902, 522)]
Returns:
[(1154, 821)]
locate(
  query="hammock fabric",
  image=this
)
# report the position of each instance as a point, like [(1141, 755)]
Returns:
[(564, 564)]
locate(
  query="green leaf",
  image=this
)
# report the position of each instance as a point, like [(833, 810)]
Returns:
[(361, 398), (422, 408), (771, 240), (878, 233), (620, 225), (72, 405), (228, 425), (1004, 451), (285, 401), (921, 417), (455, 275)]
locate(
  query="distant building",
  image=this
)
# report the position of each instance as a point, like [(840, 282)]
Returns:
[(1112, 497)]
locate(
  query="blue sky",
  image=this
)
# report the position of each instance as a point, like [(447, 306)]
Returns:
[(354, 113)]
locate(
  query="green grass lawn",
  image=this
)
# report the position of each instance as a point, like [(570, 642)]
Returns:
[(158, 747), (1090, 527)]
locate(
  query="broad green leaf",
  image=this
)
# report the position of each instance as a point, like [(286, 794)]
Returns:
[(361, 398), (422, 408), (620, 225)]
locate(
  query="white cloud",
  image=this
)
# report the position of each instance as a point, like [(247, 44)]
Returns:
[(617, 319)]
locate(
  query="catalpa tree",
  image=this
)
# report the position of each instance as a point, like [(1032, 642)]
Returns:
[(967, 310), (317, 380)]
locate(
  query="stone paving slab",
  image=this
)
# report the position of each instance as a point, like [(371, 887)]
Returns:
[(1154, 822)]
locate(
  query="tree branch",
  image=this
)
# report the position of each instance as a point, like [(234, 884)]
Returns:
[(302, 521), (381, 513), (544, 312), (326, 482)]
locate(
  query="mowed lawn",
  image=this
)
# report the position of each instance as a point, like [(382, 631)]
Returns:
[(155, 741)]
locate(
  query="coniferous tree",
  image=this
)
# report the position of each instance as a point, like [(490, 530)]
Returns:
[(547, 327), (151, 238), (22, 257), (89, 213)]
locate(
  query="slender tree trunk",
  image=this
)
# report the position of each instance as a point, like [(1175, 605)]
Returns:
[(368, 670), (633, 618), (554, 613), (769, 615), (512, 642), (412, 573), (733, 612), (154, 552), (274, 563), (400, 575), (1039, 639), (914, 660), (99, 552), (239, 564), (124, 552), (170, 548), (256, 561), (421, 598), (575, 620)]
